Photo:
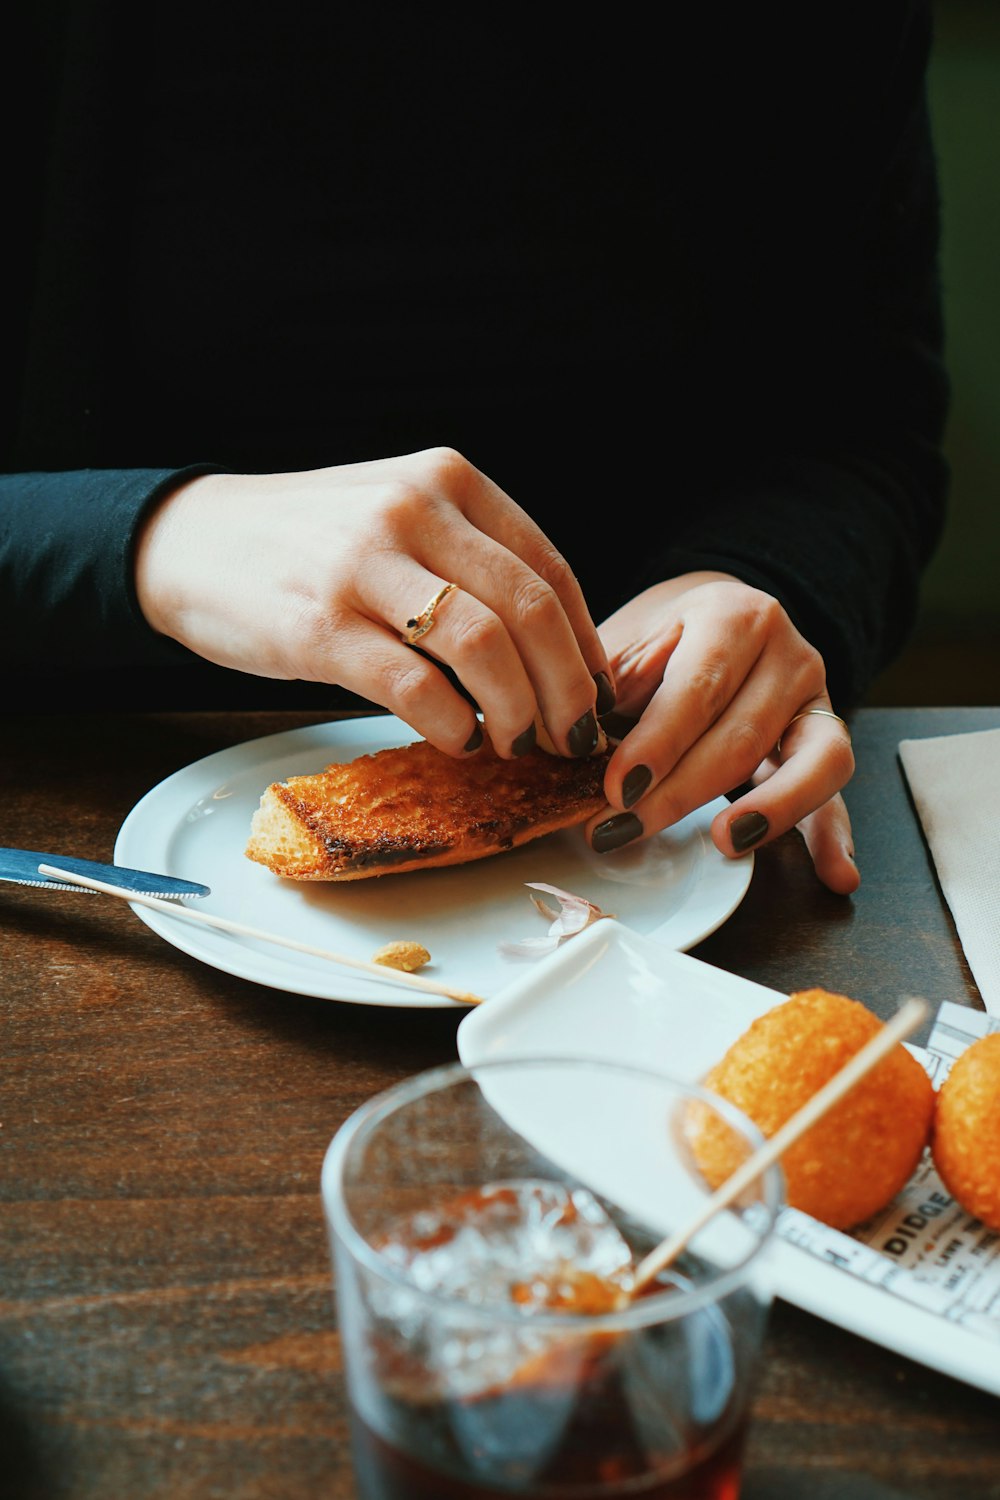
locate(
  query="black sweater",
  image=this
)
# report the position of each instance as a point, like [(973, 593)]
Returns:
[(672, 284)]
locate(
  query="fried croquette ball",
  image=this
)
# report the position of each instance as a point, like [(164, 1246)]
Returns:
[(965, 1135), (857, 1157)]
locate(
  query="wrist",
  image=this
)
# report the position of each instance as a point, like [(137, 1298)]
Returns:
[(163, 542)]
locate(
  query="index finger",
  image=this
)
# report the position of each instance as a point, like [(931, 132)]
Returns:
[(536, 594)]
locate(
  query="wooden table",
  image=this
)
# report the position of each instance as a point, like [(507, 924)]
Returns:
[(166, 1318)]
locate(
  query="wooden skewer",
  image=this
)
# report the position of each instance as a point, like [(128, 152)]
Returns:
[(191, 914), (907, 1019)]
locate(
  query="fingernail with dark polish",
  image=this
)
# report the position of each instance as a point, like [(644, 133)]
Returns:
[(747, 830), (614, 832), (605, 693), (525, 741), (635, 783), (582, 738), (475, 739)]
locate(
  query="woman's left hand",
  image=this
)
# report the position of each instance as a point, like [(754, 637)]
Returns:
[(715, 672)]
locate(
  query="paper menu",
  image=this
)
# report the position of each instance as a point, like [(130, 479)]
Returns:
[(923, 1248)]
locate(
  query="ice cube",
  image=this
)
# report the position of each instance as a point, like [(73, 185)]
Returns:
[(523, 1246), (527, 1243)]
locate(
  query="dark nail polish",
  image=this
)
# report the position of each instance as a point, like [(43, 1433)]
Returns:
[(582, 738), (614, 832), (605, 693), (616, 726), (635, 784), (747, 830), (475, 739), (525, 741)]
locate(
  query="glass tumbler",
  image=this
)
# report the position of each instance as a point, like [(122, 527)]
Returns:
[(486, 1224)]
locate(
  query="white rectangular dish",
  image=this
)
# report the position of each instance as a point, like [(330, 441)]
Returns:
[(613, 993)]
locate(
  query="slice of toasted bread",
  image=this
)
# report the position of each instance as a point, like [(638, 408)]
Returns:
[(415, 808)]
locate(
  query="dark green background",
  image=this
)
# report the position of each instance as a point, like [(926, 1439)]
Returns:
[(965, 100), (955, 654)]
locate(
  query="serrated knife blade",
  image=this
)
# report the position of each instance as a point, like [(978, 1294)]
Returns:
[(21, 867)]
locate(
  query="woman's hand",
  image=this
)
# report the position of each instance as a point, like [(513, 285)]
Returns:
[(314, 575), (715, 672)]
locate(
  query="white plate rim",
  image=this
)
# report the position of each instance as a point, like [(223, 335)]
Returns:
[(148, 833)]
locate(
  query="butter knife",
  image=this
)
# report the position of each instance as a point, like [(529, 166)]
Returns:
[(21, 867)]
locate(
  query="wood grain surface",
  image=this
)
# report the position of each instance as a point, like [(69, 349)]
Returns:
[(167, 1329)]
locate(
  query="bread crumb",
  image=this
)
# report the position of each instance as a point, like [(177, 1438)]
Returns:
[(408, 956)]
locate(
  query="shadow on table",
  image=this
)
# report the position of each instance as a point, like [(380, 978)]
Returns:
[(24, 1474)]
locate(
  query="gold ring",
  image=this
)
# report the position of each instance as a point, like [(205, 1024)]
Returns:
[(827, 713), (420, 624)]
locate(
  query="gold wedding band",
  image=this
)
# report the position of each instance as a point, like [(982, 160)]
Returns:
[(419, 625), (827, 713)]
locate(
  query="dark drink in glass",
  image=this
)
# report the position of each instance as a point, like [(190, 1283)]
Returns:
[(493, 1343), (599, 1457)]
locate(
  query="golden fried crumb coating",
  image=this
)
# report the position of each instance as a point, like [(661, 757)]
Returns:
[(965, 1137), (855, 1159)]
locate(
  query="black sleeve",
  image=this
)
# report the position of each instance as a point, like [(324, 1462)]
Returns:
[(838, 503), (67, 592), (67, 532)]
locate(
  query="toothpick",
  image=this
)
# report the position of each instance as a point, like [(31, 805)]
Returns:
[(907, 1019), (188, 913)]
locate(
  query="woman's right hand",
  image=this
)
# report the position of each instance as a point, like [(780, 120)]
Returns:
[(314, 575)]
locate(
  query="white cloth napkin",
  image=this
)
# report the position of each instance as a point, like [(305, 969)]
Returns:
[(955, 783)]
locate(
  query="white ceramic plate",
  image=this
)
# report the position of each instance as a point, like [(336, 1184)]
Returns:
[(675, 887), (612, 993)]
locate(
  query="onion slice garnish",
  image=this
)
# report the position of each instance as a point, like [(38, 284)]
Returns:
[(573, 915)]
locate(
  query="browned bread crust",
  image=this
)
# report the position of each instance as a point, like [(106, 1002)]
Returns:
[(415, 808)]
